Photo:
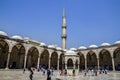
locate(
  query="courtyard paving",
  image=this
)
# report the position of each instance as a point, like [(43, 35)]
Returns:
[(18, 75)]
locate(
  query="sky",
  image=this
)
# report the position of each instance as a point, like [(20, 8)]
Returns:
[(88, 21)]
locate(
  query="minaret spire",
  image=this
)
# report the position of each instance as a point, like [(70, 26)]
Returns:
[(64, 12), (64, 36)]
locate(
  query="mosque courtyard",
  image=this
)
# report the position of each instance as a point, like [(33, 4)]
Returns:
[(18, 75)]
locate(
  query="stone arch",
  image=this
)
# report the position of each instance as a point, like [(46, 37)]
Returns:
[(4, 49), (44, 59), (54, 59), (61, 61), (32, 57), (91, 60), (17, 56), (105, 59), (116, 56), (81, 61), (70, 63)]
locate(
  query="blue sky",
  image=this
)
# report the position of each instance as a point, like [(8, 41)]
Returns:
[(88, 21)]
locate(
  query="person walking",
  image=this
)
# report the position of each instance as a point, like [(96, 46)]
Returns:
[(48, 75), (73, 72), (31, 73)]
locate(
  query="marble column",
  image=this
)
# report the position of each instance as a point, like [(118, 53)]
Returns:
[(78, 67), (25, 60), (38, 62), (58, 64), (85, 63), (66, 65), (49, 62), (113, 64), (98, 63), (73, 65), (8, 60)]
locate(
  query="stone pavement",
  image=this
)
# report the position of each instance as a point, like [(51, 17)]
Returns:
[(18, 75)]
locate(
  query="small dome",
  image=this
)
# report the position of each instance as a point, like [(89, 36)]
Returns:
[(34, 41), (70, 52), (59, 48), (51, 46), (93, 46), (82, 47), (65, 50), (105, 44), (42, 44), (17, 37), (26, 38), (73, 49), (3, 33), (117, 42)]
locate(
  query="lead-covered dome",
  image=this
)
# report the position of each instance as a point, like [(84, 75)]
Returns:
[(42, 44), (73, 49), (34, 41), (58, 48), (51, 46), (70, 52), (82, 47), (17, 37), (93, 46), (26, 38), (3, 33), (105, 44), (117, 42)]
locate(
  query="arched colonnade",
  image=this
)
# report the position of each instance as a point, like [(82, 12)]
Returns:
[(16, 55), (100, 58)]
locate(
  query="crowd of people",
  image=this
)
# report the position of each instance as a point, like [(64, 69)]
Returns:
[(50, 72), (94, 72)]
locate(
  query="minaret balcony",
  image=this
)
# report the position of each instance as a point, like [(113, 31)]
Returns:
[(64, 36), (64, 27)]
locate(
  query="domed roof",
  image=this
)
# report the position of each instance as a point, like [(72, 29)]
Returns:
[(17, 37), (117, 42), (34, 41), (70, 52), (105, 44), (93, 46), (51, 46), (65, 50), (82, 47), (59, 48), (27, 38), (3, 33), (73, 49), (42, 44)]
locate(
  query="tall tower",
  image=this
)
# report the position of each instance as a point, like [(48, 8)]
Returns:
[(64, 36)]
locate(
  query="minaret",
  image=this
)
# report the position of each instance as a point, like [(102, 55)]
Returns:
[(64, 36)]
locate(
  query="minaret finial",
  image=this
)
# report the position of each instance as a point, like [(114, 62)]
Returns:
[(64, 12)]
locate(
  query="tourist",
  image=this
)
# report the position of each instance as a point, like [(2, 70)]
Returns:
[(105, 71), (31, 73), (65, 72), (24, 70), (61, 72), (52, 72), (85, 72), (73, 72), (48, 75)]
